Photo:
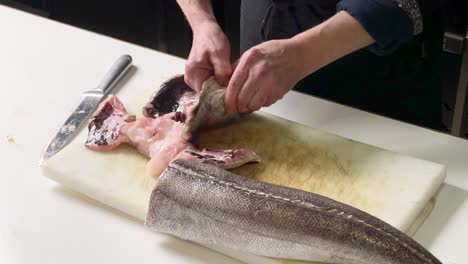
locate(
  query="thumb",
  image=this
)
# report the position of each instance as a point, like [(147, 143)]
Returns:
[(222, 70), (234, 65), (197, 79)]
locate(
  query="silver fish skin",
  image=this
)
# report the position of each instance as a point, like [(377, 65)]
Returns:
[(211, 206)]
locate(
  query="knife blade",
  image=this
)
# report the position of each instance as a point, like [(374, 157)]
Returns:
[(88, 105)]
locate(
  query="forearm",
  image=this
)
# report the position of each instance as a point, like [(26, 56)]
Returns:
[(197, 12), (329, 41)]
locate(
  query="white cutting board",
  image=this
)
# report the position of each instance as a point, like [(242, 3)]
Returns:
[(393, 187)]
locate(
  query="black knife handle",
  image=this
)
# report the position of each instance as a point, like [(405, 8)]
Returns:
[(118, 69)]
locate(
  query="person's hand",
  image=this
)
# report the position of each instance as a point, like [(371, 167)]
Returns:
[(263, 75), (210, 55)]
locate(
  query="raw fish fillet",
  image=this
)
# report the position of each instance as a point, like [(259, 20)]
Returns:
[(172, 117)]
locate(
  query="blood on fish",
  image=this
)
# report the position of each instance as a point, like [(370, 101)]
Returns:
[(104, 127)]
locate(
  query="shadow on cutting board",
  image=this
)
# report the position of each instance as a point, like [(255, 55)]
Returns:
[(196, 252), (178, 246), (448, 201), (76, 197)]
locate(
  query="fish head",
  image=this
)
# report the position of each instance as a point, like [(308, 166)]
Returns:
[(167, 98)]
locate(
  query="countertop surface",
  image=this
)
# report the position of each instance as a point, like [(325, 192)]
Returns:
[(44, 68)]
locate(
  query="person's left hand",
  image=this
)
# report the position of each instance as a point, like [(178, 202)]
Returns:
[(263, 75)]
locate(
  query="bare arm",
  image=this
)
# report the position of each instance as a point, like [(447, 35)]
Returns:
[(329, 41), (197, 12), (268, 71), (210, 52)]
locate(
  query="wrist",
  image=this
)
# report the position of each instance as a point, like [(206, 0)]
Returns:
[(199, 24), (197, 12), (206, 26), (307, 54)]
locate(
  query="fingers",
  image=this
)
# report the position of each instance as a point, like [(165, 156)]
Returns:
[(246, 94), (271, 99), (258, 101), (195, 75), (239, 77), (268, 102), (255, 94), (234, 65), (202, 64), (222, 70)]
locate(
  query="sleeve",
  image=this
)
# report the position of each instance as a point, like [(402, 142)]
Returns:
[(389, 22)]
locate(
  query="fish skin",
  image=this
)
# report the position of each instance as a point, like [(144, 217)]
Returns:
[(211, 206), (226, 159), (166, 99), (210, 110)]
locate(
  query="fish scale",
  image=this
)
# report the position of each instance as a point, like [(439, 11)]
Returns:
[(271, 220)]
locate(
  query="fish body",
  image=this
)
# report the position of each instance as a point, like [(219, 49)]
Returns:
[(207, 109), (210, 110), (167, 130), (211, 206), (167, 98)]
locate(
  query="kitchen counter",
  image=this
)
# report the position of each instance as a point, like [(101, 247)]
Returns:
[(44, 68)]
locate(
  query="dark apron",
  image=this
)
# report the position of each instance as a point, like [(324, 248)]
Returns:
[(405, 85)]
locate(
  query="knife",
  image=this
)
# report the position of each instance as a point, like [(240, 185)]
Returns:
[(88, 105)]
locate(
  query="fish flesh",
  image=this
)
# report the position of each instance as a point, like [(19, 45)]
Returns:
[(207, 109), (211, 206), (166, 132)]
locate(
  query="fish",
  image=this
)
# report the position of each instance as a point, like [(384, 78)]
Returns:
[(207, 111), (168, 98), (171, 120), (214, 207)]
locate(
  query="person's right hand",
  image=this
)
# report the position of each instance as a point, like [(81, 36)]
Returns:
[(210, 54)]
